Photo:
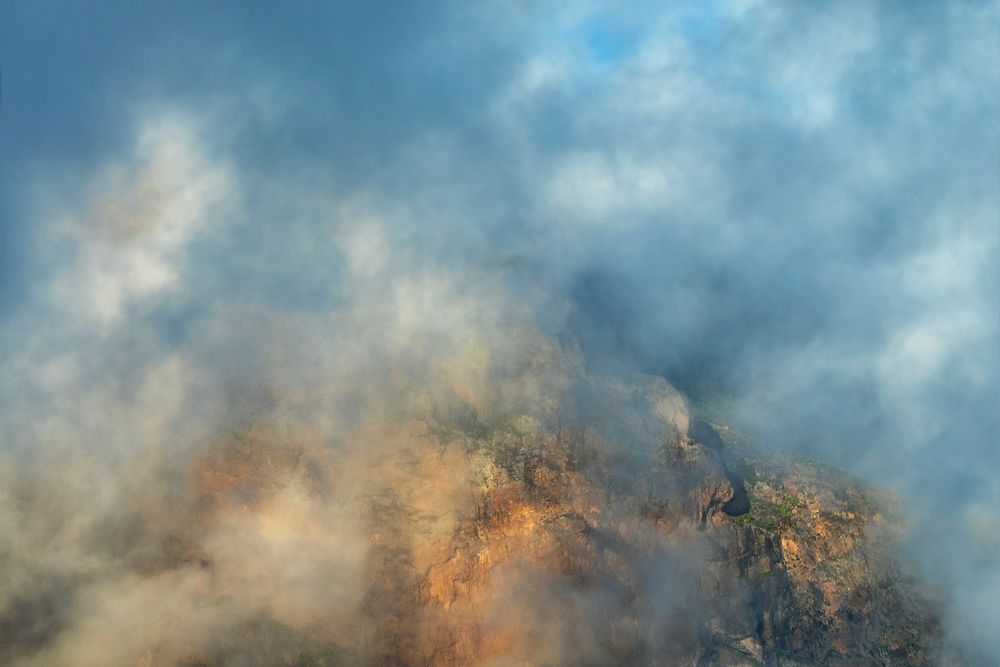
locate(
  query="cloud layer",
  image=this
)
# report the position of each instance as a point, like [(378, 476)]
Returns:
[(334, 216)]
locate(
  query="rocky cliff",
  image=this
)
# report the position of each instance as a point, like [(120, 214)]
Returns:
[(608, 535)]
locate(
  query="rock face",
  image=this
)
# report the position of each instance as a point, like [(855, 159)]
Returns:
[(626, 541), (813, 556), (602, 527), (661, 573)]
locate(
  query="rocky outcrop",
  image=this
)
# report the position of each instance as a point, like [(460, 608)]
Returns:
[(689, 548), (606, 528), (800, 577)]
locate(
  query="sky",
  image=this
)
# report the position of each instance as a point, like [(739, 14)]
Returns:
[(790, 211)]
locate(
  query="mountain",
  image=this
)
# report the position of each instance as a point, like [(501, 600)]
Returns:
[(617, 532)]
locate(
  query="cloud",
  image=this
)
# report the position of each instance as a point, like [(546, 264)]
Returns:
[(141, 215), (338, 217)]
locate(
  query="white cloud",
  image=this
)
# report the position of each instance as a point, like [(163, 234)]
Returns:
[(590, 187), (143, 210)]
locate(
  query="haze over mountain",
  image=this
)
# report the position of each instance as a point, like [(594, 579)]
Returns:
[(427, 333)]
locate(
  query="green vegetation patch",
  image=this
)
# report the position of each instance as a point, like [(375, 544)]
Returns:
[(768, 515)]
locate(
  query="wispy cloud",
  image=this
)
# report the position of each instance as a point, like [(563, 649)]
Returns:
[(335, 217)]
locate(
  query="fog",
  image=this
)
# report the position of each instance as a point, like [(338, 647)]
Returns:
[(310, 227)]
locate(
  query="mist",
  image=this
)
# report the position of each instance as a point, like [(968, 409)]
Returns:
[(277, 240)]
